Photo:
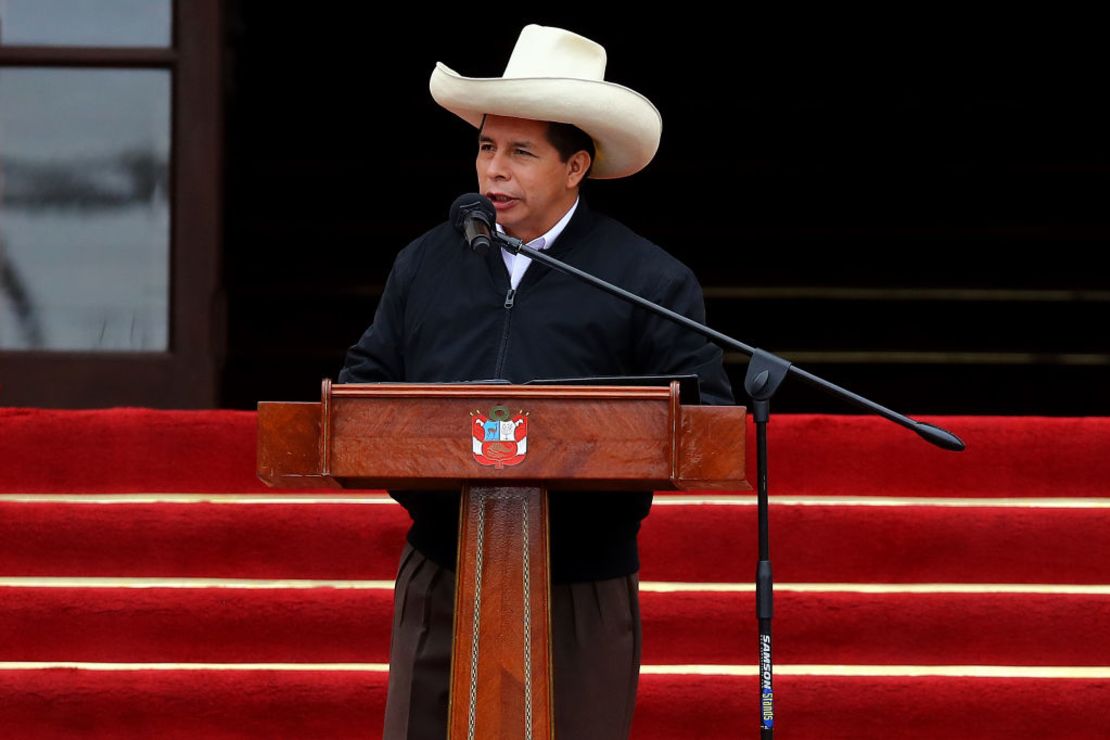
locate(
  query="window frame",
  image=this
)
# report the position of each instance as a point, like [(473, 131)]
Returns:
[(186, 375)]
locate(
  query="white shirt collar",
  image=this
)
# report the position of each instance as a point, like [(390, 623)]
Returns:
[(546, 240)]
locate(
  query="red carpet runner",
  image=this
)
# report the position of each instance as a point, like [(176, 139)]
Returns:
[(151, 587)]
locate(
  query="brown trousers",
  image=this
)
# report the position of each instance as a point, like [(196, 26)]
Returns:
[(595, 630)]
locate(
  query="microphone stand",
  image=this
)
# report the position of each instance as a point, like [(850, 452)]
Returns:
[(766, 372)]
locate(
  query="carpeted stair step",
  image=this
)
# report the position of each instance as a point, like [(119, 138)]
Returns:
[(142, 450), (886, 620), (131, 704), (351, 625), (680, 541)]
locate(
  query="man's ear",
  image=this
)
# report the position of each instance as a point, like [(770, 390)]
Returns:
[(577, 167)]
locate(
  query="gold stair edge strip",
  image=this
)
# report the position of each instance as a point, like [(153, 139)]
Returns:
[(908, 671), (661, 499), (878, 671), (645, 586), (887, 588), (669, 499), (189, 583), (191, 498)]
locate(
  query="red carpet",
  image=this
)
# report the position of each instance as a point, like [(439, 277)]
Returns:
[(914, 555), (705, 543), (121, 450), (316, 704), (320, 625)]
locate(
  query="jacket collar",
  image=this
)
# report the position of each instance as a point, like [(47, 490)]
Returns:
[(580, 224)]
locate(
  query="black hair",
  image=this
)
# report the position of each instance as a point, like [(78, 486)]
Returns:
[(568, 139)]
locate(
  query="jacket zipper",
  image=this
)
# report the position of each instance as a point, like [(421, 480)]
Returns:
[(510, 298)]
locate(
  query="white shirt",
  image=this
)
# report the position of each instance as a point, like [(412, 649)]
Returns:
[(518, 263)]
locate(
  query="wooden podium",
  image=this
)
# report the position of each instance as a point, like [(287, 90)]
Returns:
[(503, 446)]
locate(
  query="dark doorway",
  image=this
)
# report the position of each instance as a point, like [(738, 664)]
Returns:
[(910, 214)]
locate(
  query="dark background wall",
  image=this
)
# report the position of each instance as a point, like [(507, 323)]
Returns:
[(917, 213)]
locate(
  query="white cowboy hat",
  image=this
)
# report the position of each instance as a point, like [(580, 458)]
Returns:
[(556, 75)]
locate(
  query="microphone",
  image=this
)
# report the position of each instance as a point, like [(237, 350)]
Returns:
[(473, 214)]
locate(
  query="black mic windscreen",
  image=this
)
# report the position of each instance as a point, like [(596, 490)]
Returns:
[(472, 203)]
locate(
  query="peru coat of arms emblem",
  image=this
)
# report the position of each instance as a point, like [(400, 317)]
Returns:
[(499, 437)]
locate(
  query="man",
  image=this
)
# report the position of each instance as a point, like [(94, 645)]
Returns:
[(449, 315)]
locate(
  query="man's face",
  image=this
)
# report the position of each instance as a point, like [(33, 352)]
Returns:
[(520, 171)]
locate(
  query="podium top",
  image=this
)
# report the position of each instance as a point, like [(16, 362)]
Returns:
[(444, 436), (689, 392)]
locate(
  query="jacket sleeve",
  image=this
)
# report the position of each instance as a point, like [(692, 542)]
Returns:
[(663, 346), (379, 354)]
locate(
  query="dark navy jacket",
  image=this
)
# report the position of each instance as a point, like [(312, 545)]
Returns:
[(448, 315)]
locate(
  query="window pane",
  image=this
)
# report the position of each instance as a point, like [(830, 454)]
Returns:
[(86, 22), (84, 209)]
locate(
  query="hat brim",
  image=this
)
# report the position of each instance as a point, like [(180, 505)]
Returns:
[(624, 125)]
